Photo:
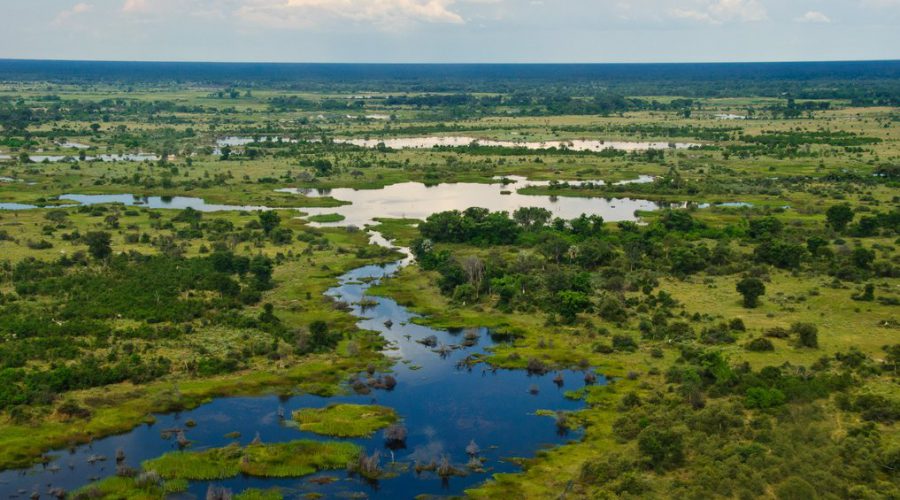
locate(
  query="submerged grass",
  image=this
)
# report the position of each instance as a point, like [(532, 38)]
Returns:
[(345, 420)]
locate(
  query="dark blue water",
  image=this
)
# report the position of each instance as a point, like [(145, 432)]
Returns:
[(443, 406)]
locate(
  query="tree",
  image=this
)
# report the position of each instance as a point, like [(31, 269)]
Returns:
[(262, 267), (751, 289), (553, 246), (839, 216), (98, 243), (780, 254), (474, 269), (319, 336), (662, 448), (862, 257), (532, 218), (269, 220), (571, 303), (765, 227), (807, 335)]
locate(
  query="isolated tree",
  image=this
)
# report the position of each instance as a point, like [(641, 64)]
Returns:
[(269, 220), (474, 269), (751, 289), (839, 216), (807, 334), (98, 243)]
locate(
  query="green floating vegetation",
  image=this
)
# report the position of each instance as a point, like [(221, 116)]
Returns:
[(257, 494), (146, 486), (292, 459), (345, 420), (326, 218), (207, 465)]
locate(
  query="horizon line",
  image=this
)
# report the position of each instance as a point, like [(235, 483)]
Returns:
[(497, 63)]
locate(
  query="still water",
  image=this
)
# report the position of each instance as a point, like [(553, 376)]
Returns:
[(104, 157), (452, 141), (175, 202), (443, 405), (417, 201), (462, 141)]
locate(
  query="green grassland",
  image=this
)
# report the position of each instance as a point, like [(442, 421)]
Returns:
[(649, 433)]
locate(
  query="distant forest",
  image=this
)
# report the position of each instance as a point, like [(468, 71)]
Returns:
[(865, 83)]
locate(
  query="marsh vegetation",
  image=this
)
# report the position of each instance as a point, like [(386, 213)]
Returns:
[(688, 305)]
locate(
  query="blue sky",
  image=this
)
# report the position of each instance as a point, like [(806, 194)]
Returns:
[(451, 30)]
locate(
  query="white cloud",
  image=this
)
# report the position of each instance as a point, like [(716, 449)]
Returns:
[(66, 15), (136, 6), (814, 17), (723, 11), (384, 14)]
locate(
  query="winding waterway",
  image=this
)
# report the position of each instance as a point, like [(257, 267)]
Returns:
[(443, 404)]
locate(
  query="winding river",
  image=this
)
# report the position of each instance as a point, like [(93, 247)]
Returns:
[(443, 404)]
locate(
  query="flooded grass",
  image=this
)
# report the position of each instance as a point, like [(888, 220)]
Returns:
[(345, 420), (140, 487), (327, 218), (291, 459)]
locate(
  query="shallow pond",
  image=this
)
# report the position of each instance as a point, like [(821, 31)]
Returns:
[(175, 202), (418, 201), (454, 141), (104, 158), (462, 141), (443, 405)]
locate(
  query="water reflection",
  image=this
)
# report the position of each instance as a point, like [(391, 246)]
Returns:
[(418, 201), (444, 401)]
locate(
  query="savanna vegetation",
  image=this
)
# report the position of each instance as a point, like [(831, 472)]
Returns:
[(749, 329)]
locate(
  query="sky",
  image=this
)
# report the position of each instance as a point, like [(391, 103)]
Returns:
[(436, 31)]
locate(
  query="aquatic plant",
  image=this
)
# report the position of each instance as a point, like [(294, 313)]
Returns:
[(395, 436), (536, 367), (291, 459), (218, 493), (445, 468), (429, 341), (345, 420), (472, 449), (369, 466), (217, 463)]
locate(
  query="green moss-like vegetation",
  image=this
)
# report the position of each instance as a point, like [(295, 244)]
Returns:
[(142, 487), (345, 420), (292, 459), (257, 494), (217, 463), (326, 218), (298, 458)]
